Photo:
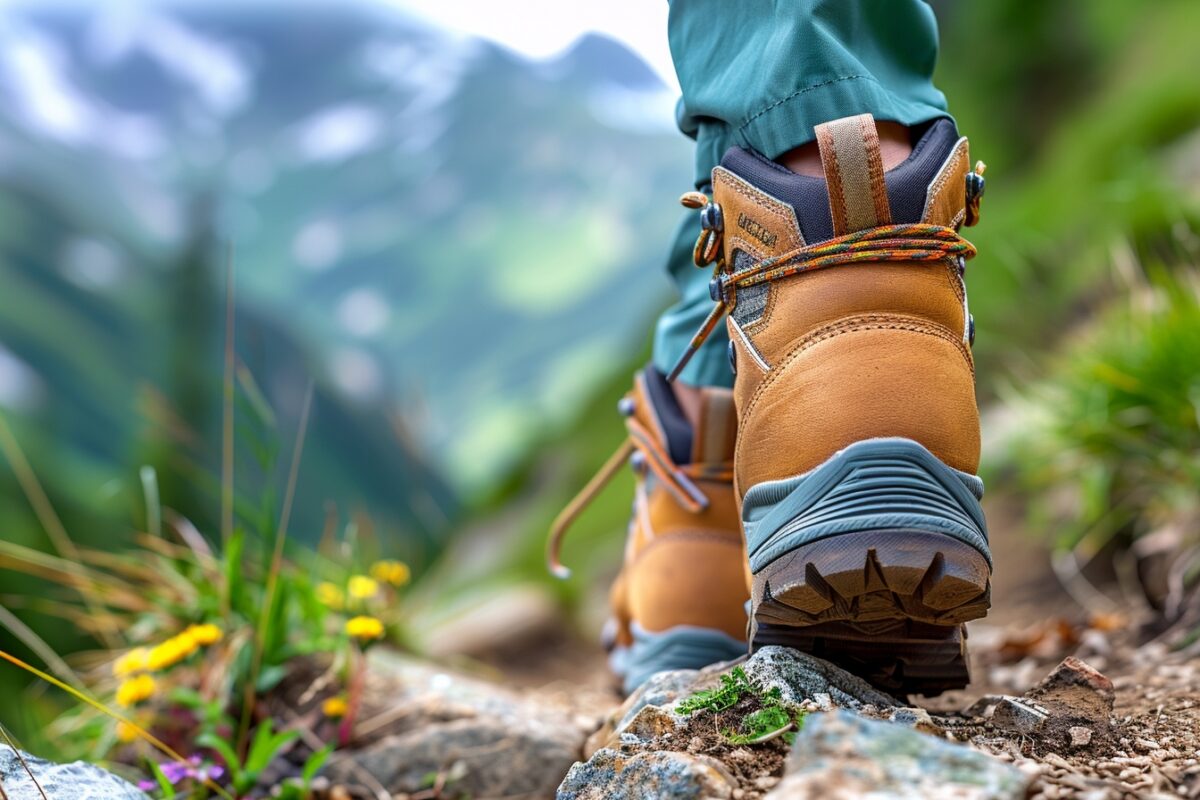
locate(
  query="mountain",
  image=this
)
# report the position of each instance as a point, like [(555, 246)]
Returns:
[(461, 239)]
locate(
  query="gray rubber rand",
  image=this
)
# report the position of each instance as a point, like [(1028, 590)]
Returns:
[(681, 647), (875, 484), (874, 560)]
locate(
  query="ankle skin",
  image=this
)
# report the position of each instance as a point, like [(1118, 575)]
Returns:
[(895, 145)]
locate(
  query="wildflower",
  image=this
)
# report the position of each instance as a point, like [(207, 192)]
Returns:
[(330, 595), (131, 662), (134, 690), (396, 573), (205, 634), (172, 651), (126, 732), (362, 588), (364, 628), (334, 707), (175, 773)]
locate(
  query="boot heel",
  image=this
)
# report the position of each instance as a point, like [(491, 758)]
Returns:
[(874, 559)]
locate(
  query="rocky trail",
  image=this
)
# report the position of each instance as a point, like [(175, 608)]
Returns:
[(1067, 702)]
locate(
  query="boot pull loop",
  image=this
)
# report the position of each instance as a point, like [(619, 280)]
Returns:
[(854, 174)]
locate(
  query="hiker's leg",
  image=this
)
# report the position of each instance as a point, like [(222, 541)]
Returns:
[(762, 74), (887, 366), (843, 273)]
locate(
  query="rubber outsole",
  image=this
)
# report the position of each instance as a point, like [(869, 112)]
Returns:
[(888, 605)]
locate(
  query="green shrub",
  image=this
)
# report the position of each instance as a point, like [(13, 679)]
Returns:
[(1110, 442)]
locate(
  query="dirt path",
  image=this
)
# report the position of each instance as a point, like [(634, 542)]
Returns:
[(1151, 750)]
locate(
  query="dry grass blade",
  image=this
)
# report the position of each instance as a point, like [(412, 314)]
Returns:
[(37, 644), (153, 740), (43, 508), (227, 408), (272, 585), (24, 763), (76, 574), (192, 537)]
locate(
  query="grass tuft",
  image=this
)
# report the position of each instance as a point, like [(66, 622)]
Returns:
[(771, 719)]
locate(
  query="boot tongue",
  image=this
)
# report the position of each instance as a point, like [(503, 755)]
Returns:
[(666, 416), (711, 442), (808, 198), (714, 438)]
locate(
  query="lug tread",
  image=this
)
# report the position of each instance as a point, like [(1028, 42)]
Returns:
[(888, 604)]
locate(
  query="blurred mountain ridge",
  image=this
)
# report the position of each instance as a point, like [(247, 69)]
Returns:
[(449, 237)]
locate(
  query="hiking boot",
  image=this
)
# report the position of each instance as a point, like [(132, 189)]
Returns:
[(858, 431), (679, 601)]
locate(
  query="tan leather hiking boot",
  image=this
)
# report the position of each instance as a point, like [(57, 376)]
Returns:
[(679, 600), (858, 433)]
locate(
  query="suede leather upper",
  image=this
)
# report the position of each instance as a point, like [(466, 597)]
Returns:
[(684, 567), (852, 352)]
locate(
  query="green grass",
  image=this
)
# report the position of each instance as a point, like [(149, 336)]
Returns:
[(1109, 446), (770, 719)]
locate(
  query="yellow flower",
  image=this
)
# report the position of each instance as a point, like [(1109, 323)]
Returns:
[(172, 651), (134, 690), (364, 628), (205, 634), (396, 573), (361, 587), (334, 707), (126, 733), (330, 595), (131, 662)]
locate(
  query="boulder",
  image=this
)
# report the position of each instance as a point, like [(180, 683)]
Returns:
[(77, 781), (840, 756), (420, 720), (614, 775)]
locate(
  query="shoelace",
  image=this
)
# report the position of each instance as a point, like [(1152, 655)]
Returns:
[(679, 480), (913, 242)]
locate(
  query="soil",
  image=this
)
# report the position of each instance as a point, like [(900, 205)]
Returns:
[(1148, 748)]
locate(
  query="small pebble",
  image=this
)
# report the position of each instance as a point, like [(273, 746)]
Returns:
[(1080, 736)]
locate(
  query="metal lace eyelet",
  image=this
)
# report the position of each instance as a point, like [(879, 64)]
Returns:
[(637, 462), (712, 218), (626, 406)]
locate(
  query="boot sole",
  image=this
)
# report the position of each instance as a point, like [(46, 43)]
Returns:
[(888, 606), (874, 560)]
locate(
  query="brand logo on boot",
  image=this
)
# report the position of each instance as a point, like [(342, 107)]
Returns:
[(756, 230)]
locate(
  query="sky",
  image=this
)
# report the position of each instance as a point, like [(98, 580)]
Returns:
[(541, 28)]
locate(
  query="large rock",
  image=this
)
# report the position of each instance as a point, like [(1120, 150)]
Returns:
[(647, 749), (420, 720), (803, 680), (840, 756), (613, 775), (801, 677), (854, 742), (78, 781)]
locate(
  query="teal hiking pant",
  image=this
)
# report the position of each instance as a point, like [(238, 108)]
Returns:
[(762, 74)]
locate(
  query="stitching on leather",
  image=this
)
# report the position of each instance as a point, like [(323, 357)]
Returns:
[(837, 199), (863, 322), (783, 213), (773, 206), (751, 350), (959, 153)]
